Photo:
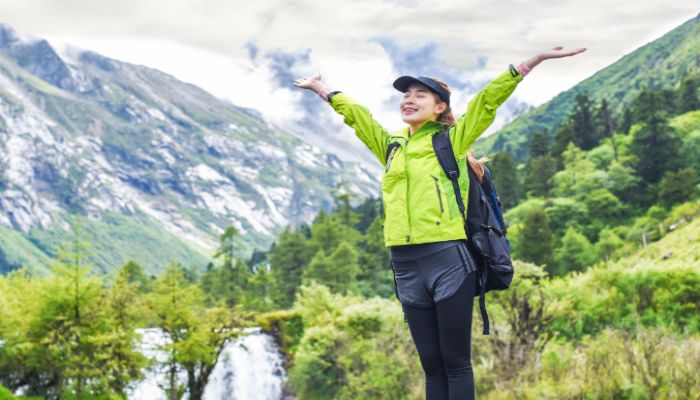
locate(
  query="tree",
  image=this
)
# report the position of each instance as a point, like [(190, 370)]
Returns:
[(584, 129), (688, 99), (505, 179), (678, 186), (196, 335), (656, 148), (534, 241), (375, 276), (288, 259), (528, 316), (124, 312), (626, 121), (579, 176), (540, 172), (623, 183), (76, 341), (539, 144), (338, 270), (234, 273), (574, 254), (563, 136), (134, 273), (605, 124), (344, 211), (609, 242)]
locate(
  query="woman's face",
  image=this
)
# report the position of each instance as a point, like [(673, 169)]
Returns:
[(420, 104)]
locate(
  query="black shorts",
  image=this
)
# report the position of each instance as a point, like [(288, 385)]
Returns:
[(428, 273)]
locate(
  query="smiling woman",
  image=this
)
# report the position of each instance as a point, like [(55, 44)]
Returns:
[(434, 272)]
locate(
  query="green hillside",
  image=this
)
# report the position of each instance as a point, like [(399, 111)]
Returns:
[(656, 65)]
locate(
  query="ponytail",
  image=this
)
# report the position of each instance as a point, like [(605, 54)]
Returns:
[(446, 117)]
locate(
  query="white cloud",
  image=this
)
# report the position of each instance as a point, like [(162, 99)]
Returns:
[(204, 42)]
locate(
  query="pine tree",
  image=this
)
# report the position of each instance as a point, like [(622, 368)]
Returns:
[(563, 136), (337, 270), (375, 277), (688, 99), (505, 179), (540, 172), (233, 273), (288, 260), (605, 124), (656, 148), (584, 129), (534, 241), (539, 144)]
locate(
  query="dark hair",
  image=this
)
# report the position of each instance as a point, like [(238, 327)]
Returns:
[(446, 117)]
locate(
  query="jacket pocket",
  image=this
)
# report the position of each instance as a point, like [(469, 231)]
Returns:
[(391, 157), (439, 192)]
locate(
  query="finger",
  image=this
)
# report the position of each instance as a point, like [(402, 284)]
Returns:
[(558, 47)]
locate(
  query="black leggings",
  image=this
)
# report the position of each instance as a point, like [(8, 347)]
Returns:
[(442, 335)]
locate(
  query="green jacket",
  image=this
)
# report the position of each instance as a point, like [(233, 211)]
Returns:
[(418, 198)]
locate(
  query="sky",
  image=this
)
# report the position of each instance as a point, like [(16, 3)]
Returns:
[(250, 51)]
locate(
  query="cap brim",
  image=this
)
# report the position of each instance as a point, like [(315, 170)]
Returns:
[(402, 83)]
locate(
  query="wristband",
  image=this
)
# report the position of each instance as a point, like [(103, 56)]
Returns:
[(524, 69), (323, 93)]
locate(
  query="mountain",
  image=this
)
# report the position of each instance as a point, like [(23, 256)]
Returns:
[(658, 64), (149, 167)]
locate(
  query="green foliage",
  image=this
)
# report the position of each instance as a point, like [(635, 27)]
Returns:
[(288, 257), (196, 334), (533, 242), (575, 253), (582, 123), (657, 147), (353, 348), (65, 336), (579, 176), (608, 245), (336, 270), (678, 186), (505, 178), (540, 172)]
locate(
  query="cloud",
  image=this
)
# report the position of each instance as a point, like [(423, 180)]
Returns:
[(235, 49)]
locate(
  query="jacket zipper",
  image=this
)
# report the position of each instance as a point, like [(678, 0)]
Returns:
[(405, 169), (437, 186)]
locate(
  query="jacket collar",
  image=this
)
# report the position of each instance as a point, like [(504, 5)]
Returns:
[(429, 126)]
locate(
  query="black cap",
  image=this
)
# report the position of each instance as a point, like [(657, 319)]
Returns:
[(403, 82)]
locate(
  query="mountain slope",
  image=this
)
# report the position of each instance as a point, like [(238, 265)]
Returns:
[(82, 134), (661, 63)]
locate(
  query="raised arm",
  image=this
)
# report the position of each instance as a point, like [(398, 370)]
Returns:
[(356, 116), (481, 110)]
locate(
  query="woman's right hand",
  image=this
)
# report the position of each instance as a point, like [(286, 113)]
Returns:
[(312, 83)]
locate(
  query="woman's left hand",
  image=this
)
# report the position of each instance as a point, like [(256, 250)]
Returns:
[(548, 55)]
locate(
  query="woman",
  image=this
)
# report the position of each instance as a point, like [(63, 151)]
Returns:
[(433, 270)]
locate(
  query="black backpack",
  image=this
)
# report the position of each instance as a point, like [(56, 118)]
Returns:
[(484, 226)]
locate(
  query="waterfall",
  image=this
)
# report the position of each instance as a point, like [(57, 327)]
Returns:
[(249, 368)]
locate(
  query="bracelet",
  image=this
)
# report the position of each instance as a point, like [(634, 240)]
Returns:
[(324, 94), (524, 69)]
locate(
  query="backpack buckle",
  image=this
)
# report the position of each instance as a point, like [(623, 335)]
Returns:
[(453, 174)]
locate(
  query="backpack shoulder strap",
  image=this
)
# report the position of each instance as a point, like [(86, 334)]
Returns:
[(446, 157)]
